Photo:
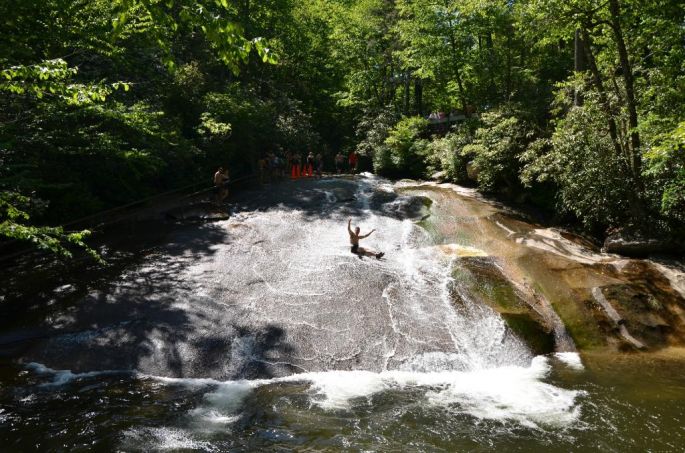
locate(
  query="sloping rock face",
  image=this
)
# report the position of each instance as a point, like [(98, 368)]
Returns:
[(483, 278), (258, 295), (606, 302), (274, 290), (650, 308)]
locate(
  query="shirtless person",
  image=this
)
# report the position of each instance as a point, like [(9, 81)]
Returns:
[(221, 185), (339, 162), (354, 240)]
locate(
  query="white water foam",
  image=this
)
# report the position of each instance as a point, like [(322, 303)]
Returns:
[(221, 407), (504, 394), (571, 359), (62, 377), (510, 393), (163, 438)]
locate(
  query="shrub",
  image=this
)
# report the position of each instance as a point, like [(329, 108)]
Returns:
[(580, 160), (405, 151), (446, 153), (496, 149), (665, 170), (372, 131)]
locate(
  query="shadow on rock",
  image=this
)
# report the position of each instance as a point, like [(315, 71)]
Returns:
[(155, 319)]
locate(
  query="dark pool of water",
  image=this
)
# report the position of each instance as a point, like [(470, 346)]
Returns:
[(625, 403)]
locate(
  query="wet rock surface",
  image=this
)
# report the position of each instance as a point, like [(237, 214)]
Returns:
[(555, 272), (202, 211), (274, 290), (484, 279), (271, 291)]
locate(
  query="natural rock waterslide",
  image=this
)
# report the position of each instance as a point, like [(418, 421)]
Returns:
[(276, 291), (270, 303)]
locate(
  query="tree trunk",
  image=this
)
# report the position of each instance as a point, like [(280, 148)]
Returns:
[(507, 77), (407, 88), (455, 65), (246, 17), (634, 201), (457, 74), (418, 96), (636, 158), (597, 80), (392, 86), (579, 63)]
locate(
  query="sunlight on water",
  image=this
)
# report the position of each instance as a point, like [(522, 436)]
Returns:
[(459, 357)]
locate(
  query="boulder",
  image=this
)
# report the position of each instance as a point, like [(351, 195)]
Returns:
[(485, 280), (623, 243), (472, 171), (408, 207), (440, 176)]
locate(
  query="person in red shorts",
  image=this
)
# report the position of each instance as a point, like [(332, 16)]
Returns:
[(353, 160)]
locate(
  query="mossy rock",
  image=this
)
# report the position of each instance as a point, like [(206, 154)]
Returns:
[(403, 207), (537, 337), (487, 283), (581, 317)]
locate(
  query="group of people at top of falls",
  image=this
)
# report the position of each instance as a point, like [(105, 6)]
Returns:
[(277, 164)]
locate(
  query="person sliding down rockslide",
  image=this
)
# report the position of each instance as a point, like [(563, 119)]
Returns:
[(354, 240)]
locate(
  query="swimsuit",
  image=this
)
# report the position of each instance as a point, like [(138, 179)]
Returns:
[(355, 248)]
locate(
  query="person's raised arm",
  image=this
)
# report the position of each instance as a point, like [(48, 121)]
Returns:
[(349, 226), (367, 234)]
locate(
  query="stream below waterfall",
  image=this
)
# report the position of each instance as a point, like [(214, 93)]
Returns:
[(264, 333)]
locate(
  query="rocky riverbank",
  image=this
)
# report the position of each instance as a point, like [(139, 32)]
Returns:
[(552, 286)]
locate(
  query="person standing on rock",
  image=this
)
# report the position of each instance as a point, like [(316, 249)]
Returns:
[(261, 166), (355, 236), (319, 166), (221, 180), (339, 162), (288, 162), (310, 164), (297, 162), (353, 160)]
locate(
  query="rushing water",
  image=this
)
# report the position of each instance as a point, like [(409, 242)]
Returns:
[(276, 338)]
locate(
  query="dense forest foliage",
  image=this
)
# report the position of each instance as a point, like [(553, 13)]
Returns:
[(575, 106)]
